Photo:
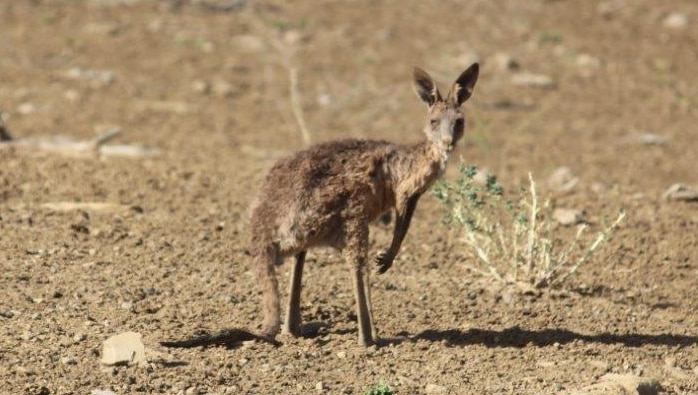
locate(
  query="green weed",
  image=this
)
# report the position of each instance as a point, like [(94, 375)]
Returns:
[(513, 240), (380, 389)]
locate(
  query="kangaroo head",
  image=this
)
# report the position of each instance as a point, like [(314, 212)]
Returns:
[(445, 123)]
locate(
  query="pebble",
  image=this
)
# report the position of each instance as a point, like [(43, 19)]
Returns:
[(562, 179), (124, 348), (320, 386), (681, 192), (26, 108), (223, 89), (599, 364), (504, 62), (249, 43), (567, 217), (652, 139), (546, 364), (106, 29), (99, 77), (341, 354), (675, 20), (102, 392), (532, 80), (587, 61), (435, 389), (201, 86), (632, 383)]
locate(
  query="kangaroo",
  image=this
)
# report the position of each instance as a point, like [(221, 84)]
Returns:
[(328, 194)]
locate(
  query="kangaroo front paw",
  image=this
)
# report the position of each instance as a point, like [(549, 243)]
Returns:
[(384, 260)]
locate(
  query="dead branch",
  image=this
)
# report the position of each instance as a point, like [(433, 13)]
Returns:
[(80, 148), (286, 54)]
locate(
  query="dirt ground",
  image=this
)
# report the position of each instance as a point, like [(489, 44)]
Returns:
[(613, 97)]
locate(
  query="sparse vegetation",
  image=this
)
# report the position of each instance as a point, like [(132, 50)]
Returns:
[(514, 240), (380, 389)]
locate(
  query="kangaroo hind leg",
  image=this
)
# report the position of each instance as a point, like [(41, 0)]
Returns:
[(292, 325), (266, 260)]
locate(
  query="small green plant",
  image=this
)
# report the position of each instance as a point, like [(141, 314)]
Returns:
[(513, 240), (380, 389)]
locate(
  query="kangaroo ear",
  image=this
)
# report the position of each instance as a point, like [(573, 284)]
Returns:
[(463, 87), (425, 87)]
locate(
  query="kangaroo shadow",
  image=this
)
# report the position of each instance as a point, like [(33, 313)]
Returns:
[(517, 337)]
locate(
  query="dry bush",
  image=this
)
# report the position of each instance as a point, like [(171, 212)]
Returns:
[(515, 240)]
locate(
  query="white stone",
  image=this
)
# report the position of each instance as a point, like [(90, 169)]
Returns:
[(124, 348), (504, 62), (675, 20), (434, 389), (587, 61), (26, 108), (566, 217), (562, 179), (532, 80)]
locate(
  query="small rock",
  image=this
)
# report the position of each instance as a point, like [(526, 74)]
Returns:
[(633, 384), (532, 80), (7, 313), (79, 337), (341, 354), (670, 362), (107, 29), (567, 217), (599, 364), (200, 86), (546, 364), (294, 37), (223, 89), (249, 43), (243, 361), (587, 61), (125, 348), (504, 62), (652, 139), (191, 391), (98, 77), (610, 7), (681, 192), (320, 386), (26, 108), (434, 389), (678, 373), (482, 175), (562, 180), (675, 20), (69, 361), (324, 100), (72, 95), (102, 392)]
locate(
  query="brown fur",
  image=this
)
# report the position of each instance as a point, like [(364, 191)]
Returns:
[(328, 194)]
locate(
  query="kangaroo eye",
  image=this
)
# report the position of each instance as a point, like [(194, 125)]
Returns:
[(434, 123), (459, 124)]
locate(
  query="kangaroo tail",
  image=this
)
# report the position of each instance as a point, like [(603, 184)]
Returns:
[(228, 338)]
